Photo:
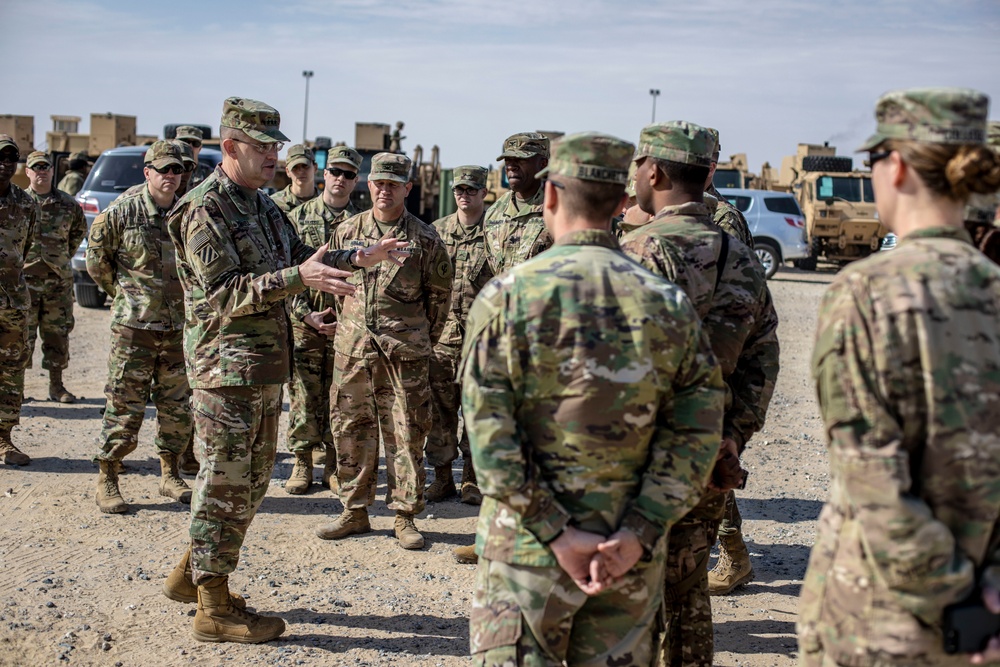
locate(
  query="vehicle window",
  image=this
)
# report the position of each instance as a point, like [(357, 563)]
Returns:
[(786, 205), (741, 202), (838, 187), (869, 192), (116, 173), (727, 178)]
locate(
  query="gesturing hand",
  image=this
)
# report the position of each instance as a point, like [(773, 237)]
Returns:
[(385, 250), (317, 320), (316, 274)]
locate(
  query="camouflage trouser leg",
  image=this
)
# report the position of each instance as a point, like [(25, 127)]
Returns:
[(14, 354), (145, 364), (732, 522), (373, 396), (309, 389), (443, 442), (51, 318), (537, 617), (236, 438)]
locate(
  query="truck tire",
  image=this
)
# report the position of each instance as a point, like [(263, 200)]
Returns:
[(769, 256), (806, 263), (89, 296), (170, 131), (832, 163)]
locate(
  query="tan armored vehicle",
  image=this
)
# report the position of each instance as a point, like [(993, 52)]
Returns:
[(838, 203), (735, 173)]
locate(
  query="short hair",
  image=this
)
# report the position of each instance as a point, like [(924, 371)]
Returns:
[(591, 200), (689, 178), (231, 133)]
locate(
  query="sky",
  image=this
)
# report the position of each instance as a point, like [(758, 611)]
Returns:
[(463, 75)]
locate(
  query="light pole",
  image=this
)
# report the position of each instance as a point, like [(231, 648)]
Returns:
[(305, 117), (653, 92)]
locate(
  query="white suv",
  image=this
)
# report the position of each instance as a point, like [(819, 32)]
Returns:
[(776, 223)]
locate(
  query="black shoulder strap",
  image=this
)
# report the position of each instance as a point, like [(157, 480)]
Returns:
[(720, 265)]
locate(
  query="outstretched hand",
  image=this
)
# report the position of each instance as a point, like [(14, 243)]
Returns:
[(317, 320), (390, 249), (317, 275)]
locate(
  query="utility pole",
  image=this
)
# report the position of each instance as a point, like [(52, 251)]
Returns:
[(654, 93), (305, 117)]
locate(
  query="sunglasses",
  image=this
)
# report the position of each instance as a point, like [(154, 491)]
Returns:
[(175, 169), (337, 171), (263, 149), (555, 184), (875, 157), (41, 167), (193, 143), (463, 190)]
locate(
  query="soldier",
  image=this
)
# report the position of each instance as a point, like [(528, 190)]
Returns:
[(190, 162), (593, 404), (385, 334), (725, 215), (192, 136), (515, 230), (314, 323), (60, 228), (72, 181), (300, 165), (462, 233), (18, 215), (907, 371), (239, 260), (129, 255), (725, 283)]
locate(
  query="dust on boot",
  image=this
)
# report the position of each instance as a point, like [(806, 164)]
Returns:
[(301, 478), (58, 392), (109, 496), (219, 620), (171, 484)]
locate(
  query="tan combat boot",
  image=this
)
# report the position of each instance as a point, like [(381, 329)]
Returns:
[(8, 452), (330, 469), (470, 490), (319, 455), (109, 498), (57, 392), (302, 474), (351, 522), (733, 568), (466, 555), (187, 463), (406, 532), (171, 484), (217, 620), (442, 487), (179, 588)]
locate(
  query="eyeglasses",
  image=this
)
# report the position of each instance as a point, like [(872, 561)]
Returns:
[(175, 169), (555, 184), (41, 167), (463, 190), (193, 143), (875, 157), (263, 149), (337, 171)]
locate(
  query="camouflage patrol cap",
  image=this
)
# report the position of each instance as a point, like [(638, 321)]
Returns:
[(187, 154), (390, 167), (930, 115), (299, 154), (525, 145), (188, 132), (716, 147), (163, 154), (256, 119), (344, 155), (470, 175), (630, 186), (677, 141), (590, 156), (79, 156), (7, 141), (36, 158)]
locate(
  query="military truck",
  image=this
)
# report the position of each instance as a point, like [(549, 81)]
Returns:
[(838, 202), (734, 174)]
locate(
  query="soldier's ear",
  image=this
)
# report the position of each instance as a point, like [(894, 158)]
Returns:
[(229, 148), (551, 197)]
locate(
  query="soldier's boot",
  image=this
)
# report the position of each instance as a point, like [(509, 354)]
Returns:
[(171, 484), (187, 463), (442, 487), (302, 474), (178, 586), (470, 490), (351, 522), (57, 392), (109, 497), (406, 532), (319, 455), (218, 620), (466, 555), (733, 568), (8, 452), (330, 469)]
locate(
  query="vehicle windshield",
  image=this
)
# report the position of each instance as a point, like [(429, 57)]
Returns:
[(727, 178), (852, 189), (115, 173)]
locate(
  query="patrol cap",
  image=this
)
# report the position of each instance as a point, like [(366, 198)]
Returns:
[(677, 141), (258, 120), (187, 154), (630, 186), (37, 158), (163, 154), (524, 145), (7, 141), (470, 175), (715, 136), (189, 132), (993, 134), (590, 156), (930, 115), (344, 155), (79, 156), (299, 154), (390, 167)]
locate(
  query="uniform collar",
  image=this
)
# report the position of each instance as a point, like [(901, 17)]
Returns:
[(598, 237), (957, 233)]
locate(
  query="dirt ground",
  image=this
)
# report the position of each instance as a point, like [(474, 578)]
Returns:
[(83, 588)]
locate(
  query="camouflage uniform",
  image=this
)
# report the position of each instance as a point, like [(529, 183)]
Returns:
[(514, 228), (385, 334), (286, 200), (567, 354), (71, 183), (130, 256), (682, 244), (907, 371), (467, 250), (61, 227), (18, 216)]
